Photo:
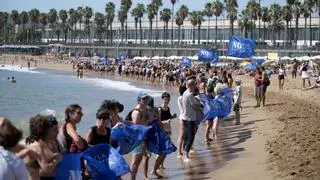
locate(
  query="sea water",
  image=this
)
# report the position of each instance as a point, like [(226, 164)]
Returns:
[(37, 90)]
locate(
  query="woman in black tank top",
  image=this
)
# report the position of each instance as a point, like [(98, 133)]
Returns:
[(100, 133)]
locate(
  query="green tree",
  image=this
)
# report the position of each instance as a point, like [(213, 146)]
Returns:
[(122, 16), (165, 16), (305, 13), (309, 5), (52, 20), (182, 14), (44, 22), (196, 20), (73, 18), (80, 15), (100, 21), (34, 15), (110, 14), (208, 11), (88, 13), (275, 23), (296, 9), (125, 6), (157, 4), (217, 11), (135, 15), (173, 2), (266, 18), (244, 22), (4, 16), (15, 21), (24, 18), (63, 15), (287, 17), (253, 9), (151, 10), (231, 8)]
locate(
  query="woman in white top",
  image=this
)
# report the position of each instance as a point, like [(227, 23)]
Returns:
[(182, 89), (281, 74), (12, 166), (305, 76)]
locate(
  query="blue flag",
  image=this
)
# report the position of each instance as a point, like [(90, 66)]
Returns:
[(241, 47), (104, 162), (69, 167), (117, 61), (186, 62), (129, 136), (158, 141), (208, 55), (257, 62)]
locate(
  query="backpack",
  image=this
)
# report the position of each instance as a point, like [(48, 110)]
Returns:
[(266, 81), (128, 116), (211, 85)]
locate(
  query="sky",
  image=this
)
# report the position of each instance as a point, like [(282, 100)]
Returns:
[(99, 5)]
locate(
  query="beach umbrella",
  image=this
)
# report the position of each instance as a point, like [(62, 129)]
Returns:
[(268, 63), (250, 67), (155, 57), (244, 63), (286, 58)]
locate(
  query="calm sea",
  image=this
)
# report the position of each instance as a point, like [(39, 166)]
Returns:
[(39, 89)]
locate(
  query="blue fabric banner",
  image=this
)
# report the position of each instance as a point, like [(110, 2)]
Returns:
[(129, 136), (208, 55), (257, 62), (219, 106), (158, 141), (186, 62), (69, 167), (104, 162), (241, 47)]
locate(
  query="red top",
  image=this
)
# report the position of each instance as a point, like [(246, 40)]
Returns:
[(257, 77)]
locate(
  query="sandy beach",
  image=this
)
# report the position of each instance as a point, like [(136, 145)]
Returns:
[(279, 141)]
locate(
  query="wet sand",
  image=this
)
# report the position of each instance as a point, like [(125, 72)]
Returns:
[(280, 141)]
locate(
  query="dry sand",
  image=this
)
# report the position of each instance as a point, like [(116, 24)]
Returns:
[(279, 141)]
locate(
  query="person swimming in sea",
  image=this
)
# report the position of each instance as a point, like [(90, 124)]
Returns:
[(12, 79)]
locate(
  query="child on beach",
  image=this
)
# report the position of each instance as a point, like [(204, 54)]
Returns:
[(237, 95)]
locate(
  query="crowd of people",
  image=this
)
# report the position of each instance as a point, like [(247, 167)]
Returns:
[(42, 151)]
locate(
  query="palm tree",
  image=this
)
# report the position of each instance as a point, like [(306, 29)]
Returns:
[(309, 4), (266, 18), (217, 11), (100, 21), (4, 16), (317, 4), (15, 20), (157, 4), (34, 15), (196, 20), (126, 5), (24, 18), (287, 17), (231, 7), (135, 14), (276, 23), (165, 16), (151, 10), (43, 21), (253, 11), (122, 16), (88, 13), (305, 13), (80, 14), (182, 14), (173, 2), (110, 13), (63, 15), (73, 21), (179, 23), (141, 11), (57, 30), (208, 11), (296, 13), (244, 22), (52, 19)]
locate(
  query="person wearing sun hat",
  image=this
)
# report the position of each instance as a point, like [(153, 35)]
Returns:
[(237, 96)]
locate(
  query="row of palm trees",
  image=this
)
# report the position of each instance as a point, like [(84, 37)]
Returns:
[(31, 25)]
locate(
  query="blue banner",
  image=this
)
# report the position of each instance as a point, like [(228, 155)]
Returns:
[(123, 56), (129, 136), (186, 62), (104, 162), (219, 106), (208, 55), (69, 167), (241, 47), (158, 141), (257, 62)]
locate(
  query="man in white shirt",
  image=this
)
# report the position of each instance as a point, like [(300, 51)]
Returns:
[(237, 96)]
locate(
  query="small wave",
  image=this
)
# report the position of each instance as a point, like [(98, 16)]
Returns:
[(121, 85), (17, 68)]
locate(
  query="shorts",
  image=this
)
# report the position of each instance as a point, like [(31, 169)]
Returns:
[(236, 107), (140, 151), (280, 77), (264, 88), (258, 90)]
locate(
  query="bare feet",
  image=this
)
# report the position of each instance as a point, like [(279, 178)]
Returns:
[(157, 174), (208, 140), (180, 155)]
